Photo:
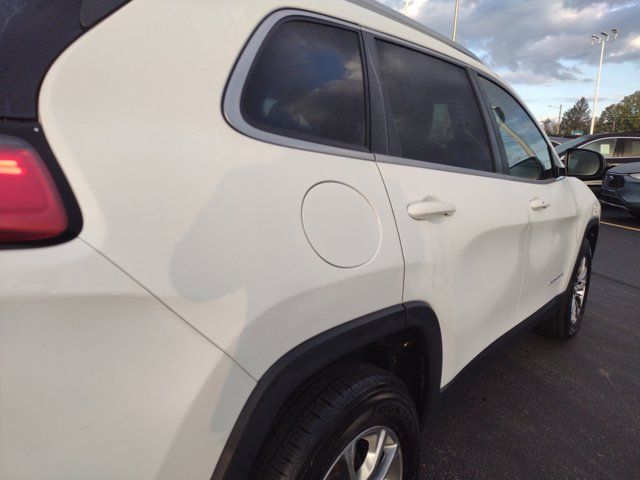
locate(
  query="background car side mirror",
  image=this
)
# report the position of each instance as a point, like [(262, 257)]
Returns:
[(584, 164)]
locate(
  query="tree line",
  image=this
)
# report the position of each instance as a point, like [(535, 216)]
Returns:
[(620, 117)]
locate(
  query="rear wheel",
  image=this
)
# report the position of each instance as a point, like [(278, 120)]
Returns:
[(565, 323), (355, 421)]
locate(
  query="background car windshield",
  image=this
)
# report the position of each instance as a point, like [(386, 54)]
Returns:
[(563, 147)]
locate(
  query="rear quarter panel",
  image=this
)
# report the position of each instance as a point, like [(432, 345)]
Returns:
[(203, 216), (98, 380)]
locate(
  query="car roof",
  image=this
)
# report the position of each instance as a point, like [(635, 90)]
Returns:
[(388, 12), (597, 136)]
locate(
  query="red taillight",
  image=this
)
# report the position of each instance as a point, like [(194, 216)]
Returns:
[(30, 205)]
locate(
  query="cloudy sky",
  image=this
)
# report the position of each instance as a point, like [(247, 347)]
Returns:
[(542, 47)]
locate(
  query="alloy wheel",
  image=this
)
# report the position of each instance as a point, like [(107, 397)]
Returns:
[(579, 291), (373, 455)]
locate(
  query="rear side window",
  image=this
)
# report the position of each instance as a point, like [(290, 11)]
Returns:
[(526, 149), (307, 82), (434, 110), (631, 147), (606, 147)]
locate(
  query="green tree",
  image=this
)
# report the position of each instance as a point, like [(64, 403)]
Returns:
[(621, 117), (550, 126), (577, 117)]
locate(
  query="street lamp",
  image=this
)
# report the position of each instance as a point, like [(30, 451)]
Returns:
[(406, 7), (455, 20), (559, 117), (601, 40)]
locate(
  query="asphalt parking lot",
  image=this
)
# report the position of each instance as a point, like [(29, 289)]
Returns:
[(547, 409)]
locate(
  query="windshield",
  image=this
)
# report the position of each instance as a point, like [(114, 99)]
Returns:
[(563, 147)]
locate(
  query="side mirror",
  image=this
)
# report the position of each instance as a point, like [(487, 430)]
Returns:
[(584, 164), (500, 114)]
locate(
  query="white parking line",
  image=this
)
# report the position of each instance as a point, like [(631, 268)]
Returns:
[(621, 226)]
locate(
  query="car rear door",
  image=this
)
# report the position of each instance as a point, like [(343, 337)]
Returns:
[(630, 151), (462, 226), (550, 203)]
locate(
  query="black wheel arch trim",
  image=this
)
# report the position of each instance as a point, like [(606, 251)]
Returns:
[(291, 370), (590, 236)]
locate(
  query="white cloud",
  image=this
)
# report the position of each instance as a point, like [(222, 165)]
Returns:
[(536, 41)]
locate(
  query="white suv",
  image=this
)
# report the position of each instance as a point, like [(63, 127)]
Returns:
[(255, 239)]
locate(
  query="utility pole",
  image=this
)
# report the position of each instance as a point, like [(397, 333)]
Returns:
[(455, 20), (405, 10), (559, 117), (601, 40)]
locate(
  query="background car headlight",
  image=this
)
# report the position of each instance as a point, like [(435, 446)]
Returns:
[(635, 175)]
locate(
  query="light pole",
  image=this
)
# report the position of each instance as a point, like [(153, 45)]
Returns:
[(406, 7), (559, 117), (601, 40), (455, 20)]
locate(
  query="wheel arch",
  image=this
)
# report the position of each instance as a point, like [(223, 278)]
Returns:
[(375, 338), (591, 233)]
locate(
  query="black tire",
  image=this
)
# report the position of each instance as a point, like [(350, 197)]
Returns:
[(562, 325), (329, 413)]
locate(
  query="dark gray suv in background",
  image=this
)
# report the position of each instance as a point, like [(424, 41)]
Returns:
[(621, 188), (616, 148)]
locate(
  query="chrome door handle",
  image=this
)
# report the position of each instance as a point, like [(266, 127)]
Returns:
[(538, 204), (428, 208)]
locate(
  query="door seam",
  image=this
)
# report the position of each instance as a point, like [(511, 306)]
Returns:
[(395, 222)]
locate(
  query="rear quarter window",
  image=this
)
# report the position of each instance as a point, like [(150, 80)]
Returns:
[(307, 82)]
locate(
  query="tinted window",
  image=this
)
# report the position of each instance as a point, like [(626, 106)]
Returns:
[(32, 34), (527, 151), (307, 82), (563, 147), (605, 147), (434, 110), (631, 147)]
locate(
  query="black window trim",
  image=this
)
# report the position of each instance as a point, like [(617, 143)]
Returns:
[(496, 147), (232, 106)]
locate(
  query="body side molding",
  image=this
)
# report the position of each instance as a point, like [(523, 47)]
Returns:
[(591, 233), (484, 358)]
